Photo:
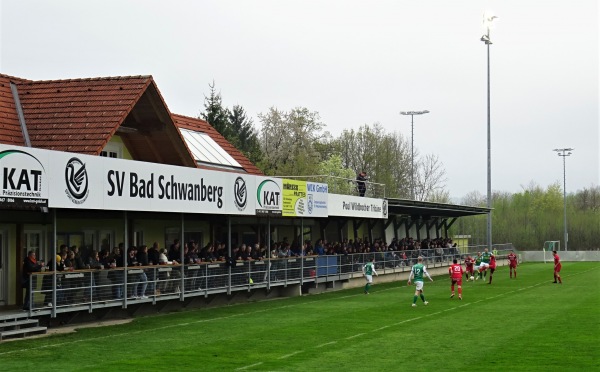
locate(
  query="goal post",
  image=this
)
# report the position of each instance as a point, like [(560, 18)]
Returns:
[(549, 246)]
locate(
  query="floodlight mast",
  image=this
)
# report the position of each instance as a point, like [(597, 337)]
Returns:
[(488, 18), (564, 153), (412, 147)]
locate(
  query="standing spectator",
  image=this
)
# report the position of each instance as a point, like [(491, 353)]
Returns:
[(368, 271), (319, 249), (417, 272), (78, 263), (153, 254), (142, 258), (174, 252), (30, 265), (456, 272), (512, 263), (361, 183), (93, 262), (557, 267)]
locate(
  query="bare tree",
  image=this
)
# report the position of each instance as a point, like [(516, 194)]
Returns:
[(430, 178)]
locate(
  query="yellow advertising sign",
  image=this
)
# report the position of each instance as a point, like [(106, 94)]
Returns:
[(294, 198)]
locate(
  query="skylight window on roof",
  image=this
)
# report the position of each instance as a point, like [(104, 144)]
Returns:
[(206, 150)]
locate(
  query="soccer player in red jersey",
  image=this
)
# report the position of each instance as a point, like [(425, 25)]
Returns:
[(469, 262), (492, 267), (557, 267), (512, 263), (456, 273)]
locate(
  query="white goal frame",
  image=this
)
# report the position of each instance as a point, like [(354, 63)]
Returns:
[(550, 245)]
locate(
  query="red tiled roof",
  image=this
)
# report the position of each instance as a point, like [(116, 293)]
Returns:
[(200, 125), (78, 115), (81, 116), (10, 128)]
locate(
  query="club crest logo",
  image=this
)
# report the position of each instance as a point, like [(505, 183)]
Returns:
[(76, 179), (240, 193)]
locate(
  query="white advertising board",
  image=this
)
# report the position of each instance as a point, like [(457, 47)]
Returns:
[(24, 178), (356, 206), (269, 196), (93, 182), (317, 199)]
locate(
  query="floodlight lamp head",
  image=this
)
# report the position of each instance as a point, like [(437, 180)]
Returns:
[(486, 40), (414, 112), (488, 18)]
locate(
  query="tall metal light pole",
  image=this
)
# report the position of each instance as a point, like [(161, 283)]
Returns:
[(488, 18), (412, 147), (564, 153)]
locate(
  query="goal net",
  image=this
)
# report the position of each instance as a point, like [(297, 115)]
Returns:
[(549, 246)]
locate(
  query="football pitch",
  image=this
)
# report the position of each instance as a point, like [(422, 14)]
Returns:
[(524, 324)]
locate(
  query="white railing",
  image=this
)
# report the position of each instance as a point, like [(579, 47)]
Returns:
[(90, 289)]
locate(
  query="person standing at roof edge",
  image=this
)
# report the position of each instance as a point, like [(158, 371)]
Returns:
[(361, 183)]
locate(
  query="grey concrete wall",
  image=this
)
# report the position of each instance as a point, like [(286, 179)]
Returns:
[(538, 256)]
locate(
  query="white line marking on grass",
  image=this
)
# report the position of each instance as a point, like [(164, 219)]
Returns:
[(407, 320), (291, 355), (325, 344), (250, 366), (381, 328), (355, 336)]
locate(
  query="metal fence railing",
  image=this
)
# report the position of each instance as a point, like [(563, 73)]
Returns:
[(90, 289)]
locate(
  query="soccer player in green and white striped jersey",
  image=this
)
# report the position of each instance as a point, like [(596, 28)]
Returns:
[(485, 263), (368, 271), (417, 272)]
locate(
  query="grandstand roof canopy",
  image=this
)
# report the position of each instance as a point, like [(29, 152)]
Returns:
[(414, 208)]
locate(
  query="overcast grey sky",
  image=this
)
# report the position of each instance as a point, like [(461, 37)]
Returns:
[(355, 62)]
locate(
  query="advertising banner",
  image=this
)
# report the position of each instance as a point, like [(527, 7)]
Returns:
[(316, 199), (23, 177), (269, 198), (67, 180), (294, 198), (304, 199), (356, 206)]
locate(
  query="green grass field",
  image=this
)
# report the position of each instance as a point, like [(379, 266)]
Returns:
[(523, 324)]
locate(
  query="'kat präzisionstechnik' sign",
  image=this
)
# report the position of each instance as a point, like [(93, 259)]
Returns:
[(24, 179)]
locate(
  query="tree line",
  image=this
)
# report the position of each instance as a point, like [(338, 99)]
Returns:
[(296, 143), (535, 215)]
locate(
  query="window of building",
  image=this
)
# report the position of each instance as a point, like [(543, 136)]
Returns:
[(113, 150), (207, 152)]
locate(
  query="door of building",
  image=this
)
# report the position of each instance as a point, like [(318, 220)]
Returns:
[(3, 274)]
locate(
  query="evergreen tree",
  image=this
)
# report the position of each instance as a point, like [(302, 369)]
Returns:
[(215, 114), (243, 134)]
